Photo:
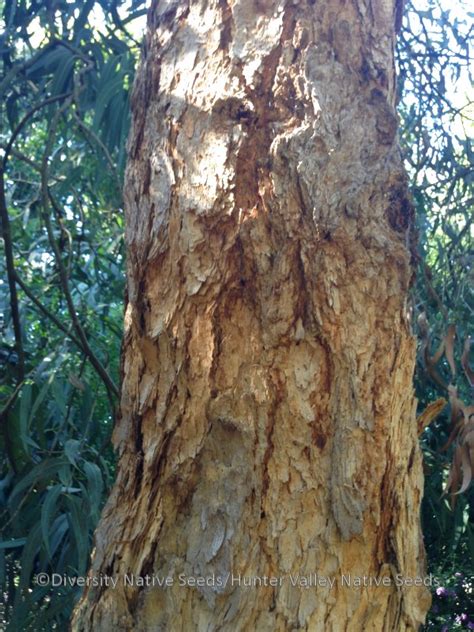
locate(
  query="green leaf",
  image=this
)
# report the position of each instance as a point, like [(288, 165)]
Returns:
[(59, 388), (80, 529), (47, 513), (48, 62), (63, 76), (65, 474), (59, 529), (71, 450), (25, 406), (12, 544), (95, 485), (30, 551), (43, 472), (40, 398)]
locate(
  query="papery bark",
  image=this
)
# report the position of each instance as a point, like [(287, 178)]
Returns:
[(267, 422)]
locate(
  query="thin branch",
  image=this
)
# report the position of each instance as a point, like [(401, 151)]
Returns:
[(10, 264), (18, 68), (54, 319), (120, 25), (76, 51), (109, 384), (63, 229), (134, 16), (432, 292), (6, 234), (25, 120), (10, 401), (34, 165), (96, 139), (56, 322)]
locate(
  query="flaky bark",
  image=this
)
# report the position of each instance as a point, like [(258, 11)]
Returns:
[(267, 421)]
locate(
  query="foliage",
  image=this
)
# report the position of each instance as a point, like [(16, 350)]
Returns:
[(437, 114), (65, 74)]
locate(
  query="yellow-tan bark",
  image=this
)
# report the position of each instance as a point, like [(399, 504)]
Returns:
[(267, 423)]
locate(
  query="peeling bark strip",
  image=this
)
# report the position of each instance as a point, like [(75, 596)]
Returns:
[(267, 420)]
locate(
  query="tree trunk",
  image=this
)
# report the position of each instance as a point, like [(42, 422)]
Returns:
[(267, 425)]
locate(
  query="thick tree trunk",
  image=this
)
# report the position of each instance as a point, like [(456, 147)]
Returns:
[(267, 421)]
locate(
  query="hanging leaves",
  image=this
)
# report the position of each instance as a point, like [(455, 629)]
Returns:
[(462, 468), (465, 362), (449, 348), (462, 417), (430, 413)]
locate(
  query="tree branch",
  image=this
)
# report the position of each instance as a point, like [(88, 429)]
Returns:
[(47, 312), (26, 118), (18, 68), (9, 260), (97, 140), (6, 233), (109, 384)]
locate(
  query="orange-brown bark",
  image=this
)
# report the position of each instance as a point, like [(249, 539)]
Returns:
[(267, 421)]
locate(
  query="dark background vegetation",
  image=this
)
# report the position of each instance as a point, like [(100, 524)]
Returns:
[(66, 69)]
